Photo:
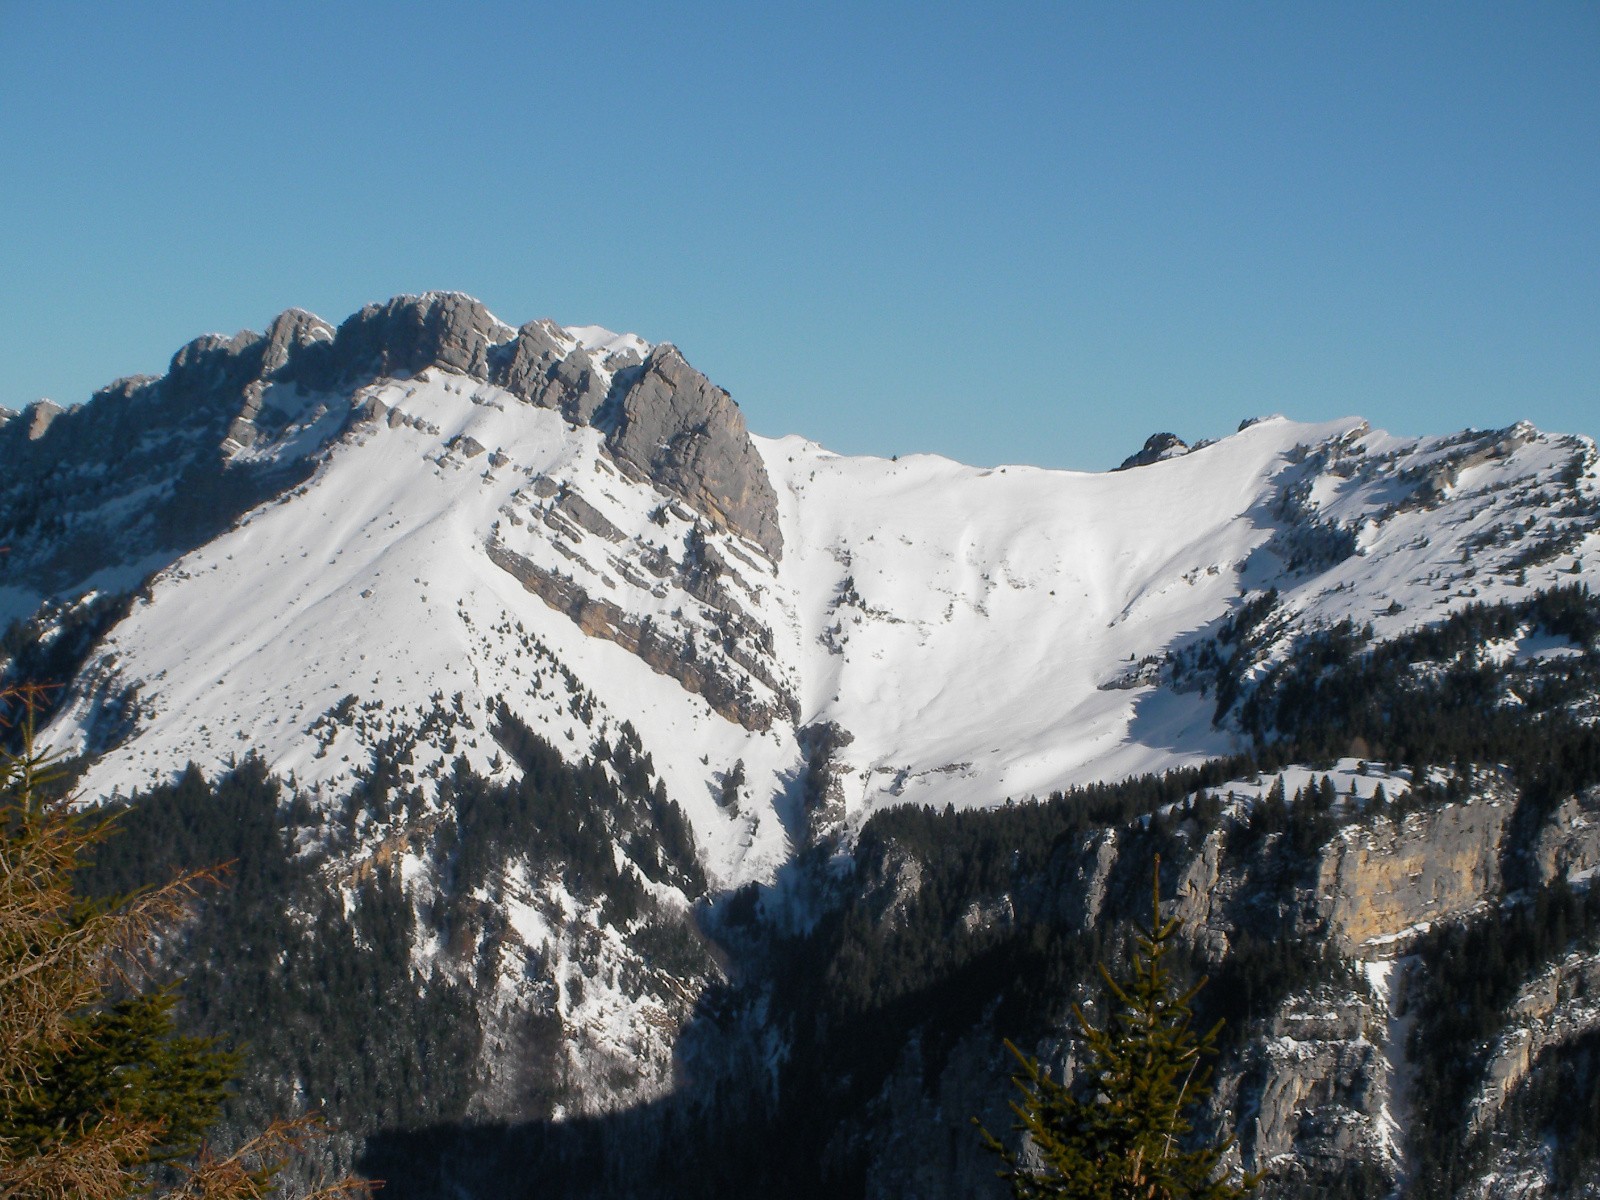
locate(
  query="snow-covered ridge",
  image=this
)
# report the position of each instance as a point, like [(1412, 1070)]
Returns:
[(513, 521), (607, 343)]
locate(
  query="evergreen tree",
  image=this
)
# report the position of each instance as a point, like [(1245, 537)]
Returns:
[(101, 1098), (1124, 1132), (128, 1058)]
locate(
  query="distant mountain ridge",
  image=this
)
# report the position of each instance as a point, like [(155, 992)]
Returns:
[(914, 605), (425, 566)]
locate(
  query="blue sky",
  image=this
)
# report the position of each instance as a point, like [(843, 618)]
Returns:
[(1001, 232)]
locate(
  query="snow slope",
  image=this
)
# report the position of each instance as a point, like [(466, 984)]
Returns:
[(371, 580), (986, 609), (976, 634)]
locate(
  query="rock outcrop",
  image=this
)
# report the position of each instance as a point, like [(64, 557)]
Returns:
[(287, 334), (665, 653), (1157, 446), (403, 336), (1320, 1082), (672, 425), (1569, 842), (40, 415), (1559, 1006), (224, 394), (685, 434), (1379, 882), (541, 367)]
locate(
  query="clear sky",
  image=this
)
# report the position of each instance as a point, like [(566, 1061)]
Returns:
[(1001, 232)]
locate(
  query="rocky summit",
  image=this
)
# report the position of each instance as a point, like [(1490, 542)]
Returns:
[(625, 803)]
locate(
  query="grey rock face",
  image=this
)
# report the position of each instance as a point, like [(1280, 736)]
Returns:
[(125, 388), (181, 437), (1199, 890), (1321, 1083), (893, 886), (672, 426), (823, 782), (177, 435), (408, 333), (288, 332), (588, 517), (523, 367), (214, 367), (660, 649), (39, 416), (400, 336), (1080, 872), (1156, 447), (1570, 840), (1306, 1092), (1558, 1006), (687, 435), (62, 505), (537, 368)]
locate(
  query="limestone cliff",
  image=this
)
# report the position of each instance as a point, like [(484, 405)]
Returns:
[(1379, 882)]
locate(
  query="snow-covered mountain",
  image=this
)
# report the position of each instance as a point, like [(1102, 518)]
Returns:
[(409, 565), (427, 502)]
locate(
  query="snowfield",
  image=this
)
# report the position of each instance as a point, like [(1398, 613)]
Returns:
[(978, 634)]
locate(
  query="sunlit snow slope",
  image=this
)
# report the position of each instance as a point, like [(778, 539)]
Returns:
[(950, 634), (995, 633)]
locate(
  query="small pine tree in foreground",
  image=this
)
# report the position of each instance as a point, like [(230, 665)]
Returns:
[(1123, 1133), (101, 1098)]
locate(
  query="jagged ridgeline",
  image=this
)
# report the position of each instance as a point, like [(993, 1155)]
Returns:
[(622, 803)]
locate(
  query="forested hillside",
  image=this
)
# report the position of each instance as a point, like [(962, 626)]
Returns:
[(847, 1020)]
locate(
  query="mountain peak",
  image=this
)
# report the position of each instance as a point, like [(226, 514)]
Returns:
[(242, 416), (287, 332), (407, 333), (529, 698), (1156, 447)]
